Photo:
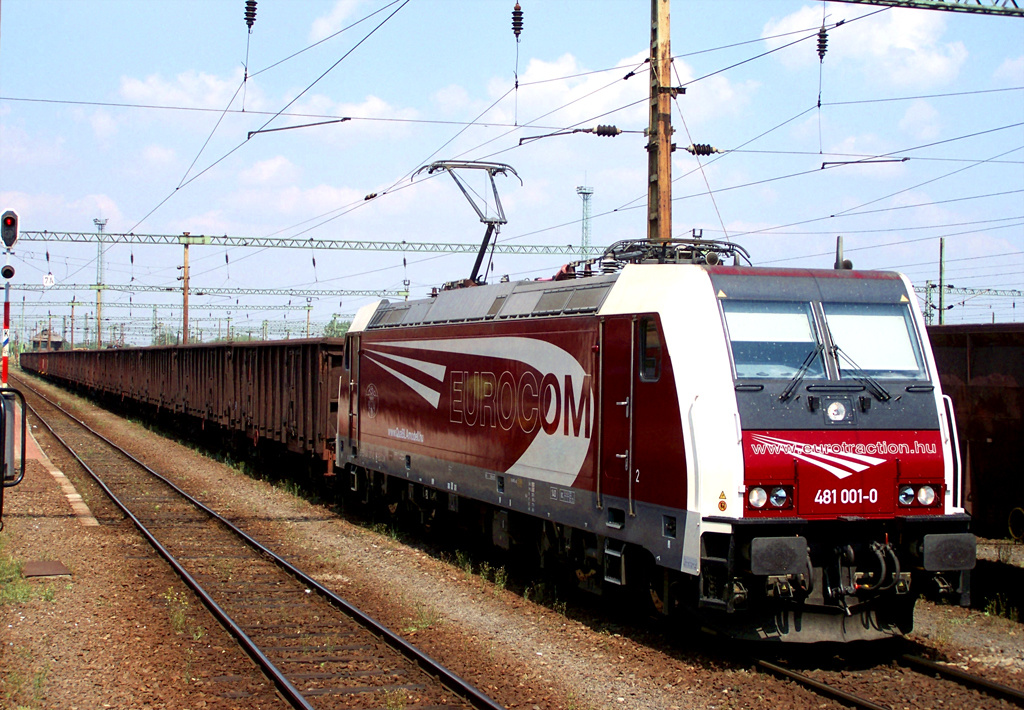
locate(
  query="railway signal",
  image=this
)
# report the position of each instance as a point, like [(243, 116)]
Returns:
[(9, 228)]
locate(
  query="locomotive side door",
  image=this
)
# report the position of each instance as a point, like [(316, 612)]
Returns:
[(616, 407), (654, 420), (352, 356)]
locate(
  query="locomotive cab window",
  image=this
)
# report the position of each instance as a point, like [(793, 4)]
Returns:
[(650, 350), (773, 339), (874, 339)]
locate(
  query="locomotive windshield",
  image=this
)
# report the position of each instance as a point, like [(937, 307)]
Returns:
[(772, 339), (877, 339)]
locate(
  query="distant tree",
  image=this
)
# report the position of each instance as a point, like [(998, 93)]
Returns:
[(336, 328)]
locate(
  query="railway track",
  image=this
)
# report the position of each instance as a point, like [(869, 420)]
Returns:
[(887, 687), (318, 650)]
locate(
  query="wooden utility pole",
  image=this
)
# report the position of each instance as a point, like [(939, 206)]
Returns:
[(659, 130), (185, 240)]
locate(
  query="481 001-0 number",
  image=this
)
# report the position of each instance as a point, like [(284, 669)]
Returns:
[(845, 496)]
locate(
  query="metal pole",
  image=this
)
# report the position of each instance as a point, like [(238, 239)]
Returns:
[(100, 224), (942, 280), (659, 138), (928, 313), (585, 193), (7, 327)]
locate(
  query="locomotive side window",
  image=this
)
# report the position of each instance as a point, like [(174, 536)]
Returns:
[(650, 350), (876, 339), (772, 339)]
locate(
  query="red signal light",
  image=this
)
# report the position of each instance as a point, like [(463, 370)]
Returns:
[(9, 228)]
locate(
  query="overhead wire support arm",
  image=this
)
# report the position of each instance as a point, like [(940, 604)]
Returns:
[(601, 130), (304, 125)]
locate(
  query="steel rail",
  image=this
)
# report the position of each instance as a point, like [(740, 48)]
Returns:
[(821, 688), (428, 664), (923, 665), (290, 692)]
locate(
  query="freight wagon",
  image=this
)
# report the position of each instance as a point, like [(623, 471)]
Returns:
[(281, 391)]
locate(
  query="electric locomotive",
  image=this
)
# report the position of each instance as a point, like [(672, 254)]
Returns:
[(766, 448)]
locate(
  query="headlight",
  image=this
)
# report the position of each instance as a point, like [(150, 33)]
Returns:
[(757, 497), (779, 496), (925, 495), (906, 495)]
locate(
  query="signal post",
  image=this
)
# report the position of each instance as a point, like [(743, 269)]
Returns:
[(9, 232), (11, 475)]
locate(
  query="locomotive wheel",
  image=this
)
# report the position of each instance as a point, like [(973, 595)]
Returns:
[(1015, 523)]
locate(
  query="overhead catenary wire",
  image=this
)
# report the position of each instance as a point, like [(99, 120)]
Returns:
[(709, 190), (696, 155), (275, 115)]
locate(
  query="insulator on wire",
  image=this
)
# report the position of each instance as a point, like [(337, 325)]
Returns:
[(701, 149), (603, 130), (517, 21), (822, 44), (250, 13)]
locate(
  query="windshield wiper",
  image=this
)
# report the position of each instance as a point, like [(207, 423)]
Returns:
[(804, 367), (861, 376)]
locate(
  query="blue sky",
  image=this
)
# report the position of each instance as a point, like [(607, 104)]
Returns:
[(99, 118)]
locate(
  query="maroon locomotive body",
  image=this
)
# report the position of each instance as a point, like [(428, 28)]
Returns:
[(768, 449)]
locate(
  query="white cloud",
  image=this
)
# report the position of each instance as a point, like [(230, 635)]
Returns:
[(104, 126), (326, 25), (1011, 71), (547, 98), (902, 47), (921, 121), (19, 147), (277, 169), (191, 89), (452, 99), (54, 211), (292, 201), (158, 155), (99, 206)]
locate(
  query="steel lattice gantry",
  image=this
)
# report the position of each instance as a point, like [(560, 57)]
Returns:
[(215, 291), (167, 306), (1008, 8), (295, 243)]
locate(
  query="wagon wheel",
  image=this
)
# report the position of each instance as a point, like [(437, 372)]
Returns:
[(1016, 524)]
